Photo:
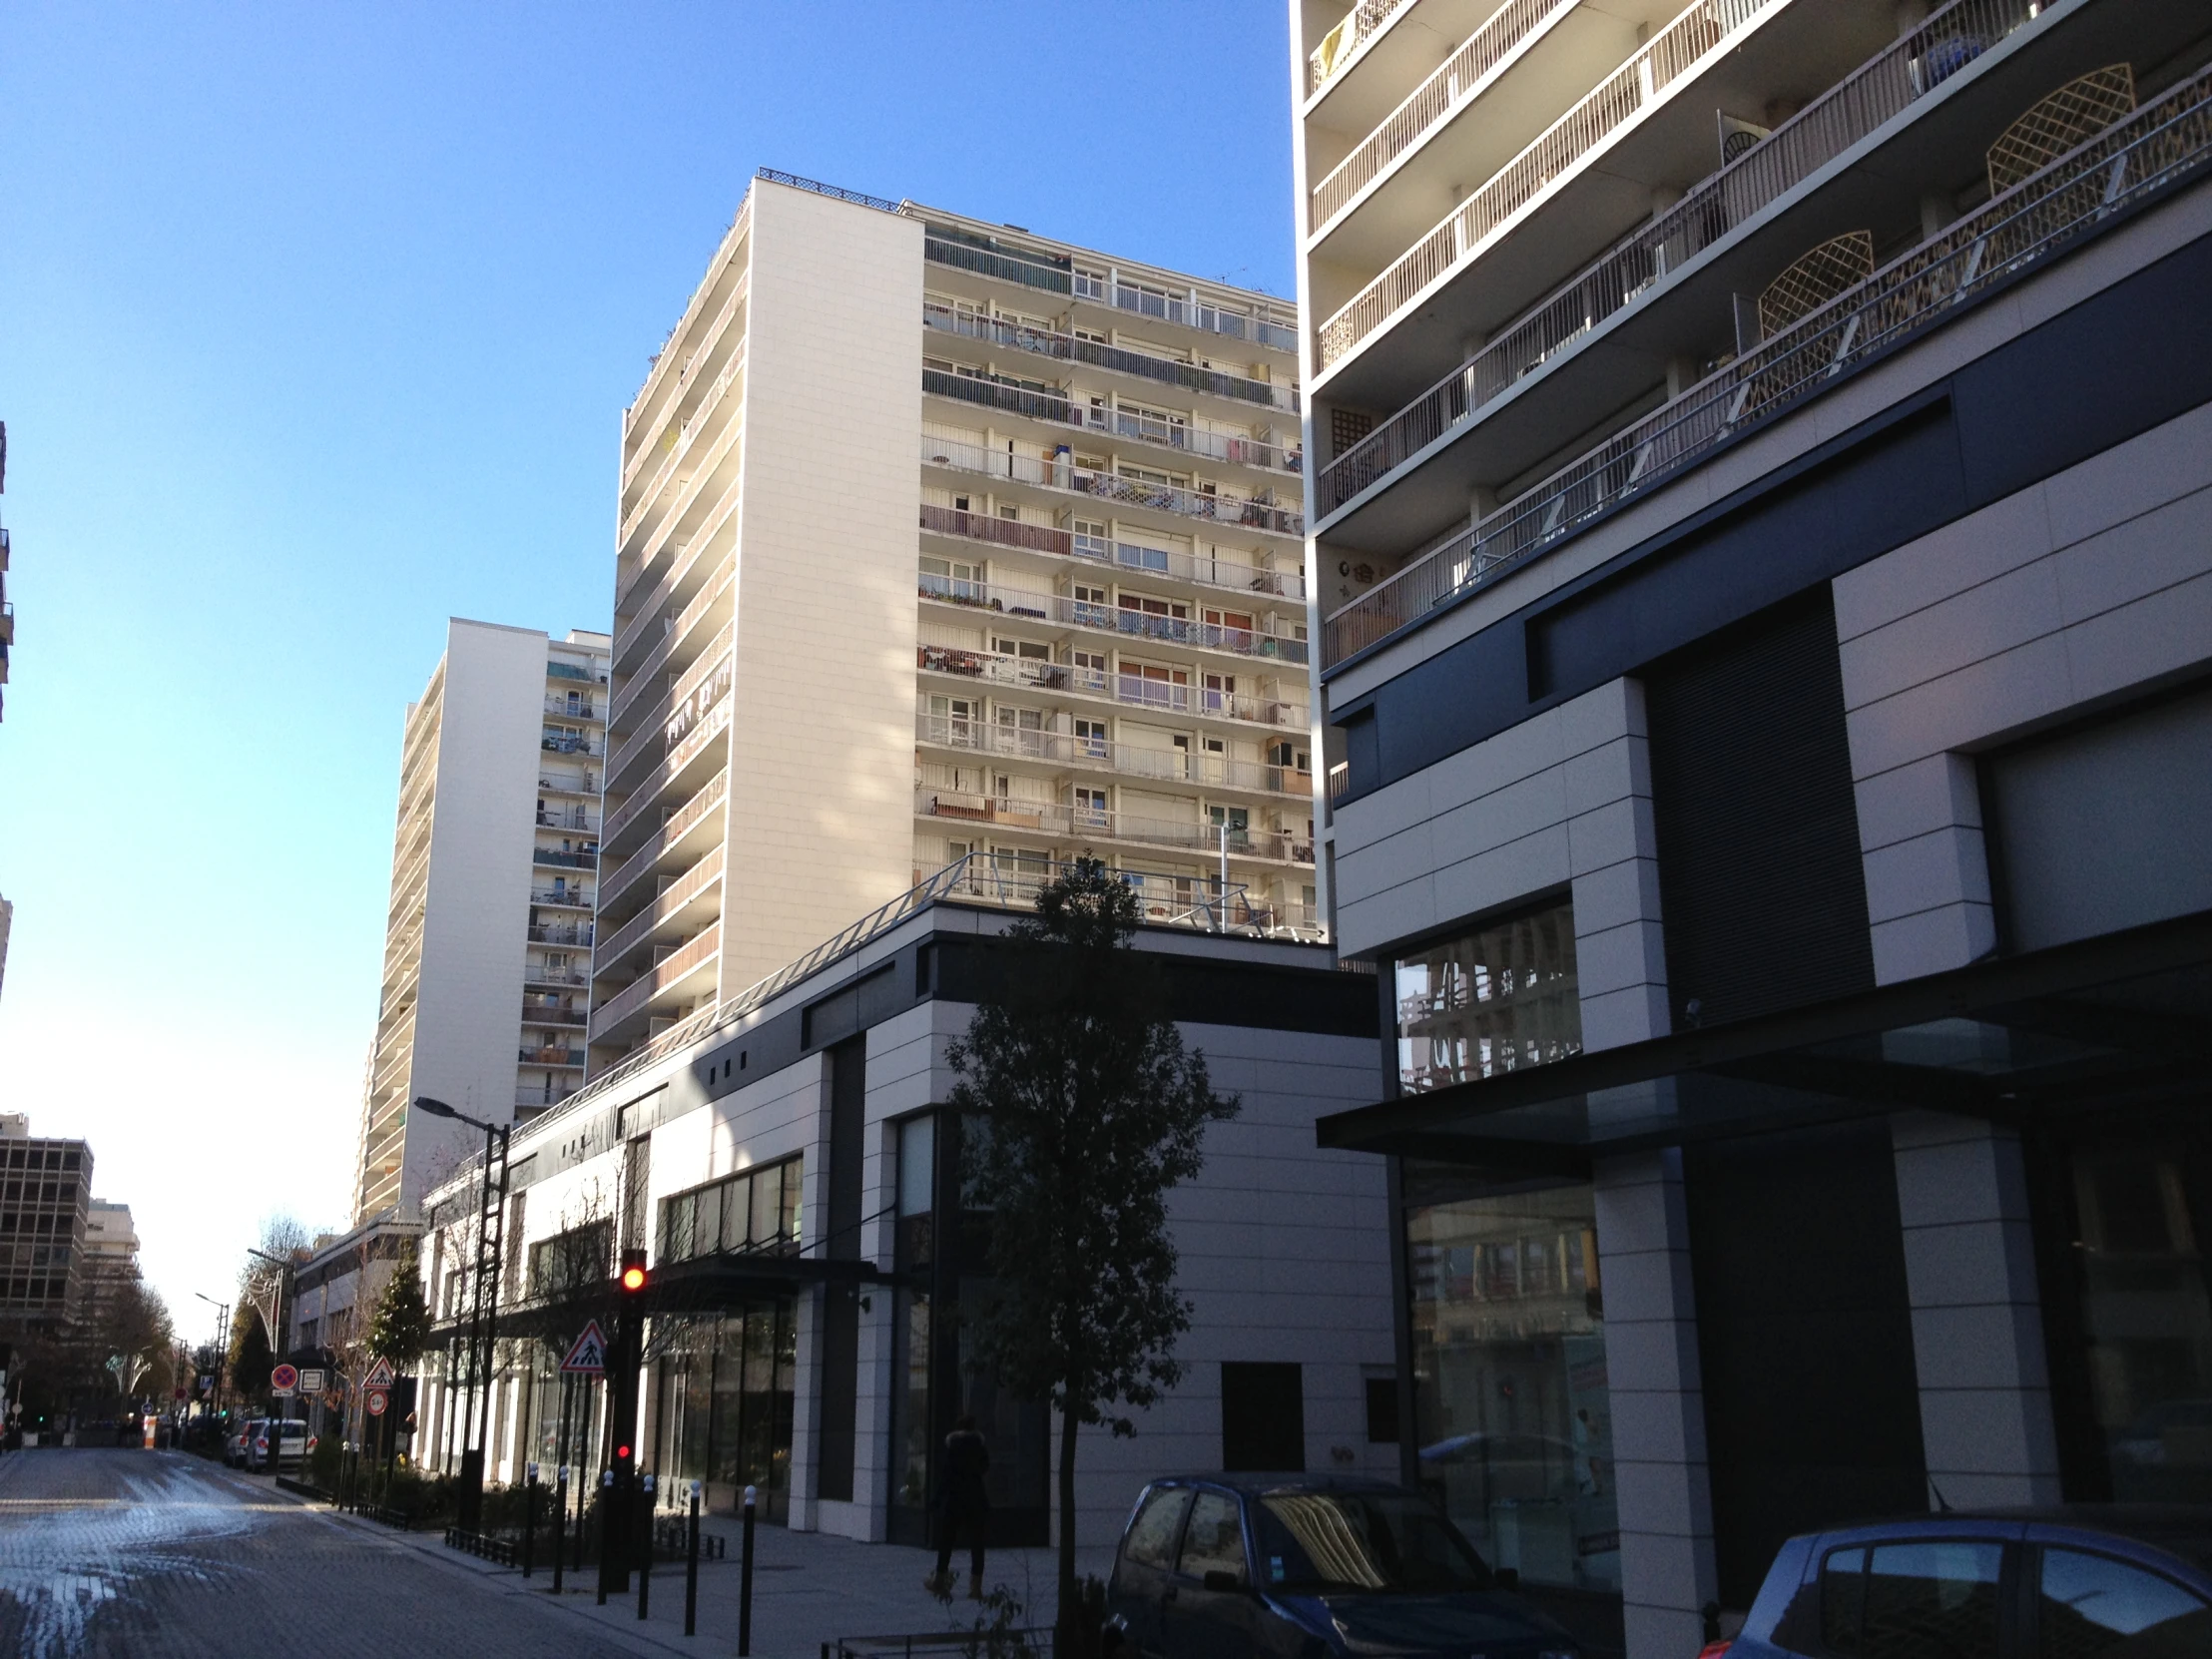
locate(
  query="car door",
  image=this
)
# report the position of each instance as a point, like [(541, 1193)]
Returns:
[(1938, 1594), (1144, 1569), (1209, 1606)]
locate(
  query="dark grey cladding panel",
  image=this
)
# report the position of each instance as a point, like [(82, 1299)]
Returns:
[(2097, 374)]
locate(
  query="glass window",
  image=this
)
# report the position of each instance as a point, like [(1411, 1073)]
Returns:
[(1317, 1543), (2092, 1605), (1213, 1541), (768, 1193), (1151, 1541), (917, 1138), (1512, 1414), (1491, 1000), (1843, 1598), (1934, 1598)]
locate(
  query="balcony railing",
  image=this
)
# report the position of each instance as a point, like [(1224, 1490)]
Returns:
[(576, 708), (1165, 900), (571, 742), (568, 818), (1069, 350), (1059, 275), (662, 905), (694, 424), (1061, 473), (1636, 85), (1339, 43), (647, 792), (1132, 688), (1087, 823), (633, 997), (539, 974), (1057, 409), (559, 860), (1114, 619), (551, 1057), (575, 671), (2143, 152), (574, 899), (1870, 94), (561, 932), (655, 730), (539, 1014), (1201, 569), (679, 824), (1065, 749)]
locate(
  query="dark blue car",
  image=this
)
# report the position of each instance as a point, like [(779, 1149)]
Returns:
[(2110, 1581), (1298, 1567)]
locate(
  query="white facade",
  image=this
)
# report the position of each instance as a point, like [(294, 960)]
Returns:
[(939, 540), (494, 866)]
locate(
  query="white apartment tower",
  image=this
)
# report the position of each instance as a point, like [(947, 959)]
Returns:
[(487, 938), (941, 541)]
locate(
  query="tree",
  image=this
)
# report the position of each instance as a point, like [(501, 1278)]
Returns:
[(1086, 1112), (399, 1330), (250, 1357)]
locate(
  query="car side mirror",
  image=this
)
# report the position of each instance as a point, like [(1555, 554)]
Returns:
[(1508, 1578), (1229, 1582)]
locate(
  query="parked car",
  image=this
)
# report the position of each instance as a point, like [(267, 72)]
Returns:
[(1256, 1567), (292, 1443), (234, 1446), (2089, 1581)]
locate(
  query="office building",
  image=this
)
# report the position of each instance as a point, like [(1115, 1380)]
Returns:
[(487, 938), (1759, 475), (45, 1206), (942, 542)]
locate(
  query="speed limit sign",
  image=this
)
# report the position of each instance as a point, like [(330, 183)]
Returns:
[(378, 1400)]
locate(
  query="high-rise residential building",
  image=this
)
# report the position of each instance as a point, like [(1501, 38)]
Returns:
[(45, 1204), (7, 606), (942, 541), (110, 1233), (487, 944), (1761, 460), (7, 921)]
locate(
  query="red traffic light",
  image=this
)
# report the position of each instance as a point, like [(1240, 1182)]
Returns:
[(632, 1270), (622, 1454)]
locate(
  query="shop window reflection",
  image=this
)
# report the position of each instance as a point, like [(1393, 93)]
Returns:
[(1492, 999)]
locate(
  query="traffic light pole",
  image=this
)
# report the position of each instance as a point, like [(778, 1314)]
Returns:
[(625, 1356)]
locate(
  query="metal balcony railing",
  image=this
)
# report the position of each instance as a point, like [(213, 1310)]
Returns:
[(1061, 473), (575, 671), (1067, 348), (2149, 150), (647, 795), (571, 742), (1870, 94), (1467, 231), (1102, 754), (679, 824), (1203, 569), (561, 932), (1337, 46), (633, 997), (551, 1057), (568, 818), (574, 899), (694, 424), (559, 860), (1429, 103), (539, 974), (1086, 824), (1057, 409), (1130, 686), (1114, 619), (538, 1014), (1058, 275), (662, 905)]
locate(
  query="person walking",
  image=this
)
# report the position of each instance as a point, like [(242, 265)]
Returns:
[(962, 1506)]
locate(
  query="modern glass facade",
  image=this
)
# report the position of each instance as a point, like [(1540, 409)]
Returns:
[(1491, 1000), (724, 1400)]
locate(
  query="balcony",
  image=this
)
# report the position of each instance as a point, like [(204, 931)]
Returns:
[(560, 860), (588, 786), (1360, 24), (1068, 350), (537, 1099), (565, 1057), (1202, 570), (568, 818), (1635, 268), (1056, 274), (568, 898), (2150, 150), (1130, 688), (1100, 754), (561, 932), (1124, 620), (633, 999), (539, 1014), (1165, 900), (575, 671), (668, 722), (1054, 408), (538, 974), (573, 706), (571, 742), (694, 424), (1235, 512), (647, 795), (669, 838), (1086, 824), (660, 910), (676, 637)]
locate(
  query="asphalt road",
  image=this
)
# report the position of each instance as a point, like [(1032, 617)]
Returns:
[(158, 1555)]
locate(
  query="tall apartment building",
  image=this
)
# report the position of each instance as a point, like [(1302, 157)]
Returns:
[(1760, 467), (939, 541), (111, 1236), (487, 942), (45, 1204), (7, 606)]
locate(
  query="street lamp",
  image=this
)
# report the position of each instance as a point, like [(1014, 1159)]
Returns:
[(491, 1228), (222, 1345), (273, 1319)]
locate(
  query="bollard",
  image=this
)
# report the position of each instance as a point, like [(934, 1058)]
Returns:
[(529, 1517), (690, 1568), (606, 1530), (744, 1578), (645, 1558), (560, 1524)]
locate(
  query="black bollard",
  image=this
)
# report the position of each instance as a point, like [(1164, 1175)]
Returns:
[(606, 1532), (529, 1517), (690, 1568), (645, 1556), (745, 1579), (560, 1524)]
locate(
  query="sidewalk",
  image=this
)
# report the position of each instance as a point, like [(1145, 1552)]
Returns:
[(808, 1588)]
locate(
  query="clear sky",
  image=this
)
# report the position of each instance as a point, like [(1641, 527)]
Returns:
[(317, 323)]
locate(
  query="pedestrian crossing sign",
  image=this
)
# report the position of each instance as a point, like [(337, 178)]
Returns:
[(589, 1354), (379, 1376)]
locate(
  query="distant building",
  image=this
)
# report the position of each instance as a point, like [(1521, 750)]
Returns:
[(487, 944), (335, 1287), (7, 919), (45, 1207), (110, 1235)]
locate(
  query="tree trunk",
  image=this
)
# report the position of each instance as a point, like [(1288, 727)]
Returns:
[(1067, 1637)]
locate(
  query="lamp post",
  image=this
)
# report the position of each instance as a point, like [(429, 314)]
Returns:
[(222, 1346), (491, 1227), (280, 1408)]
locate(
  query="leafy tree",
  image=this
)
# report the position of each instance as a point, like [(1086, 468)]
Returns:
[(250, 1358), (1086, 1112), (399, 1330)]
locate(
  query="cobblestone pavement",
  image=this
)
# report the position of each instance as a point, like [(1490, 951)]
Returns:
[(158, 1555)]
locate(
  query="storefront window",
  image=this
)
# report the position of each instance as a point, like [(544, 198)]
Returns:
[(1489, 1000), (1511, 1409), (726, 1405), (2142, 1209)]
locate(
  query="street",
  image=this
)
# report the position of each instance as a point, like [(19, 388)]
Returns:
[(157, 1555)]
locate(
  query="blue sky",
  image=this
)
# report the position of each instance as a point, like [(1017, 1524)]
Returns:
[(315, 328)]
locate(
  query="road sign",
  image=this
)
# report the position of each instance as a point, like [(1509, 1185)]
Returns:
[(376, 1402), (311, 1381), (285, 1379), (379, 1376), (589, 1354)]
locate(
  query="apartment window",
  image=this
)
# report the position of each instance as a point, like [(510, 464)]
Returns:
[(578, 1259), (1089, 669), (1150, 476), (1154, 686), (756, 1210), (1495, 998), (1090, 807), (1090, 539), (1090, 285), (952, 578), (1234, 823), (1233, 628), (1135, 557), (952, 719), (1090, 604), (1090, 738), (1030, 650), (1221, 693)]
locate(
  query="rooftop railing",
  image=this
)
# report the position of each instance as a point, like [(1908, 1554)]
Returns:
[(1430, 101), (1339, 43), (2145, 152), (1067, 348), (1639, 83), (1129, 687), (1057, 409), (1115, 619), (1071, 822), (1203, 569), (1059, 275), (1061, 473), (1870, 94), (1066, 748)]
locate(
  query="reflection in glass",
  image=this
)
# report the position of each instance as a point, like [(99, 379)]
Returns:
[(1491, 1000)]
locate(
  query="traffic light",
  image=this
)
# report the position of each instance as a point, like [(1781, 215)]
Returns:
[(633, 1271)]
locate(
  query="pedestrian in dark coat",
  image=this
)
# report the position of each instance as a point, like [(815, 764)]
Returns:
[(962, 1506)]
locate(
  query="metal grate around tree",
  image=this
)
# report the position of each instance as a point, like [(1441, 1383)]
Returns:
[(2072, 115)]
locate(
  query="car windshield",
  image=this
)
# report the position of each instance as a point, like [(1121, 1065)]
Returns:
[(1353, 1540)]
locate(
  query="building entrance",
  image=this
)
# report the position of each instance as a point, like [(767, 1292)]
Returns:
[(723, 1398)]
